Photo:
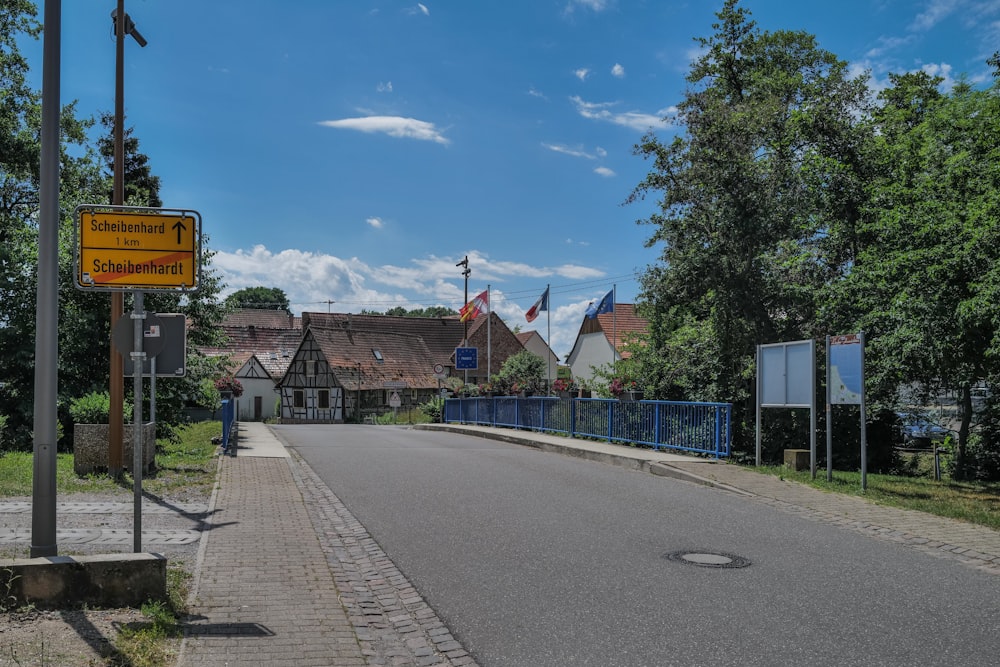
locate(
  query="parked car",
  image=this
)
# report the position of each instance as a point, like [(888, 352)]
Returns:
[(919, 432)]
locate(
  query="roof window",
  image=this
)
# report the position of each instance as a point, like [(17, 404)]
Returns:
[(378, 355)]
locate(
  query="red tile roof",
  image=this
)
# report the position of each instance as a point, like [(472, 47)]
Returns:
[(264, 319), (618, 327), (441, 335), (274, 348), (405, 358)]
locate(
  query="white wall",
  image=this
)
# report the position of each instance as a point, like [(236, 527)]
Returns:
[(537, 346), (591, 350), (263, 387)]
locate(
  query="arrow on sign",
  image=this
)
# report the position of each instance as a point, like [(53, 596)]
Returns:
[(179, 226)]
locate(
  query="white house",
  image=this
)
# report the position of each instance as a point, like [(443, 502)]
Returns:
[(603, 340), (533, 342)]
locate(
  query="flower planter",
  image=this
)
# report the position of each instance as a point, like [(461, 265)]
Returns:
[(631, 396), (91, 445)]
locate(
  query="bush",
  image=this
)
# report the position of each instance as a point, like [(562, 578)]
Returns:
[(434, 409), (93, 408)]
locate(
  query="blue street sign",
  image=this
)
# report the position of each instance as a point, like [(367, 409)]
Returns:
[(466, 358)]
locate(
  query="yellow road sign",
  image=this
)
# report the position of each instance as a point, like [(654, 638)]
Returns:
[(122, 248)]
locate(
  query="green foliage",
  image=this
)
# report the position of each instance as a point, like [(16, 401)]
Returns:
[(84, 316), (433, 409), (758, 197), (525, 371), (260, 298), (974, 502), (430, 311), (93, 408), (186, 461)]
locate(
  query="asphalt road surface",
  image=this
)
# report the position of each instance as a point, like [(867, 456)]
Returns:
[(535, 559)]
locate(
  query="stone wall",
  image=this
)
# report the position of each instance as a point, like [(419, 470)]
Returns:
[(90, 447)]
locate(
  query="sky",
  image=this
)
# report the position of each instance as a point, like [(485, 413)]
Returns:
[(353, 152)]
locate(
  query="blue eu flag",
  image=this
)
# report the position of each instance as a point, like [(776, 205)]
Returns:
[(606, 305)]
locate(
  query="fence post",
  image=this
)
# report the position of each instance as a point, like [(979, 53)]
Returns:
[(656, 427), (611, 418), (572, 417), (718, 431)]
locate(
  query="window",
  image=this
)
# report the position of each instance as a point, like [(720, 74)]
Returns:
[(378, 356), (298, 398), (310, 368), (323, 399)]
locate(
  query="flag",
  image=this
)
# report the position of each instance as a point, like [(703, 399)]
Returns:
[(474, 307), (540, 305), (607, 305)]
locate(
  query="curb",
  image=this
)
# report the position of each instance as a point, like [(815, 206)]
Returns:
[(655, 467)]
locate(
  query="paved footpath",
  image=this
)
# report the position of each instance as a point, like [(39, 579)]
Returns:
[(287, 576)]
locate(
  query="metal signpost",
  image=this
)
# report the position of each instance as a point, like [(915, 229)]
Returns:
[(786, 378), (125, 248), (845, 385)]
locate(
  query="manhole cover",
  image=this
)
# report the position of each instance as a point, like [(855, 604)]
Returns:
[(707, 559)]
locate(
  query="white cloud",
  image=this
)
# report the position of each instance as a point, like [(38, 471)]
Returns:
[(535, 93), (601, 152), (394, 126), (384, 87), (618, 71), (313, 280), (631, 119), (566, 150), (594, 5), (604, 171), (421, 9), (581, 73), (375, 222), (942, 70), (936, 11)]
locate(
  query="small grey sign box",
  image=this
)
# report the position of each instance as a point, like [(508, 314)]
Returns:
[(172, 359)]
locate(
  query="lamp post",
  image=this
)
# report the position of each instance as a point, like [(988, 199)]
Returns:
[(117, 384), (43, 482), (465, 335)]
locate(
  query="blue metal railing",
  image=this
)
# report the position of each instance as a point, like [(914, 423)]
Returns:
[(228, 420), (696, 427)]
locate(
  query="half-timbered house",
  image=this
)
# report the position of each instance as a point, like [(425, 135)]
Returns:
[(360, 365)]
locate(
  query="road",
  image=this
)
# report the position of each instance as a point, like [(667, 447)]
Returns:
[(535, 559)]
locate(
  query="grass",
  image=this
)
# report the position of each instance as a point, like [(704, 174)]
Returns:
[(974, 502), (185, 463)]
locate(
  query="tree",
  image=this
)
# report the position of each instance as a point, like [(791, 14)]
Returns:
[(760, 197), (430, 311), (142, 188), (260, 298), (84, 316), (924, 283), (525, 369)]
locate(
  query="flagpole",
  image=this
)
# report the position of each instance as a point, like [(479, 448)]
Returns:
[(548, 336), (614, 325), (489, 339)]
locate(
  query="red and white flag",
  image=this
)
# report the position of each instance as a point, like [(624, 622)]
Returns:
[(470, 310)]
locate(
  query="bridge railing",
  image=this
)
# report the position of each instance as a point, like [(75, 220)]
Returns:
[(697, 427)]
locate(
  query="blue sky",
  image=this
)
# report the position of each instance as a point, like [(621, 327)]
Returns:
[(355, 151)]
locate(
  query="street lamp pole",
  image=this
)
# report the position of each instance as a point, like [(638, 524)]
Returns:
[(117, 384), (43, 483), (465, 336)]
